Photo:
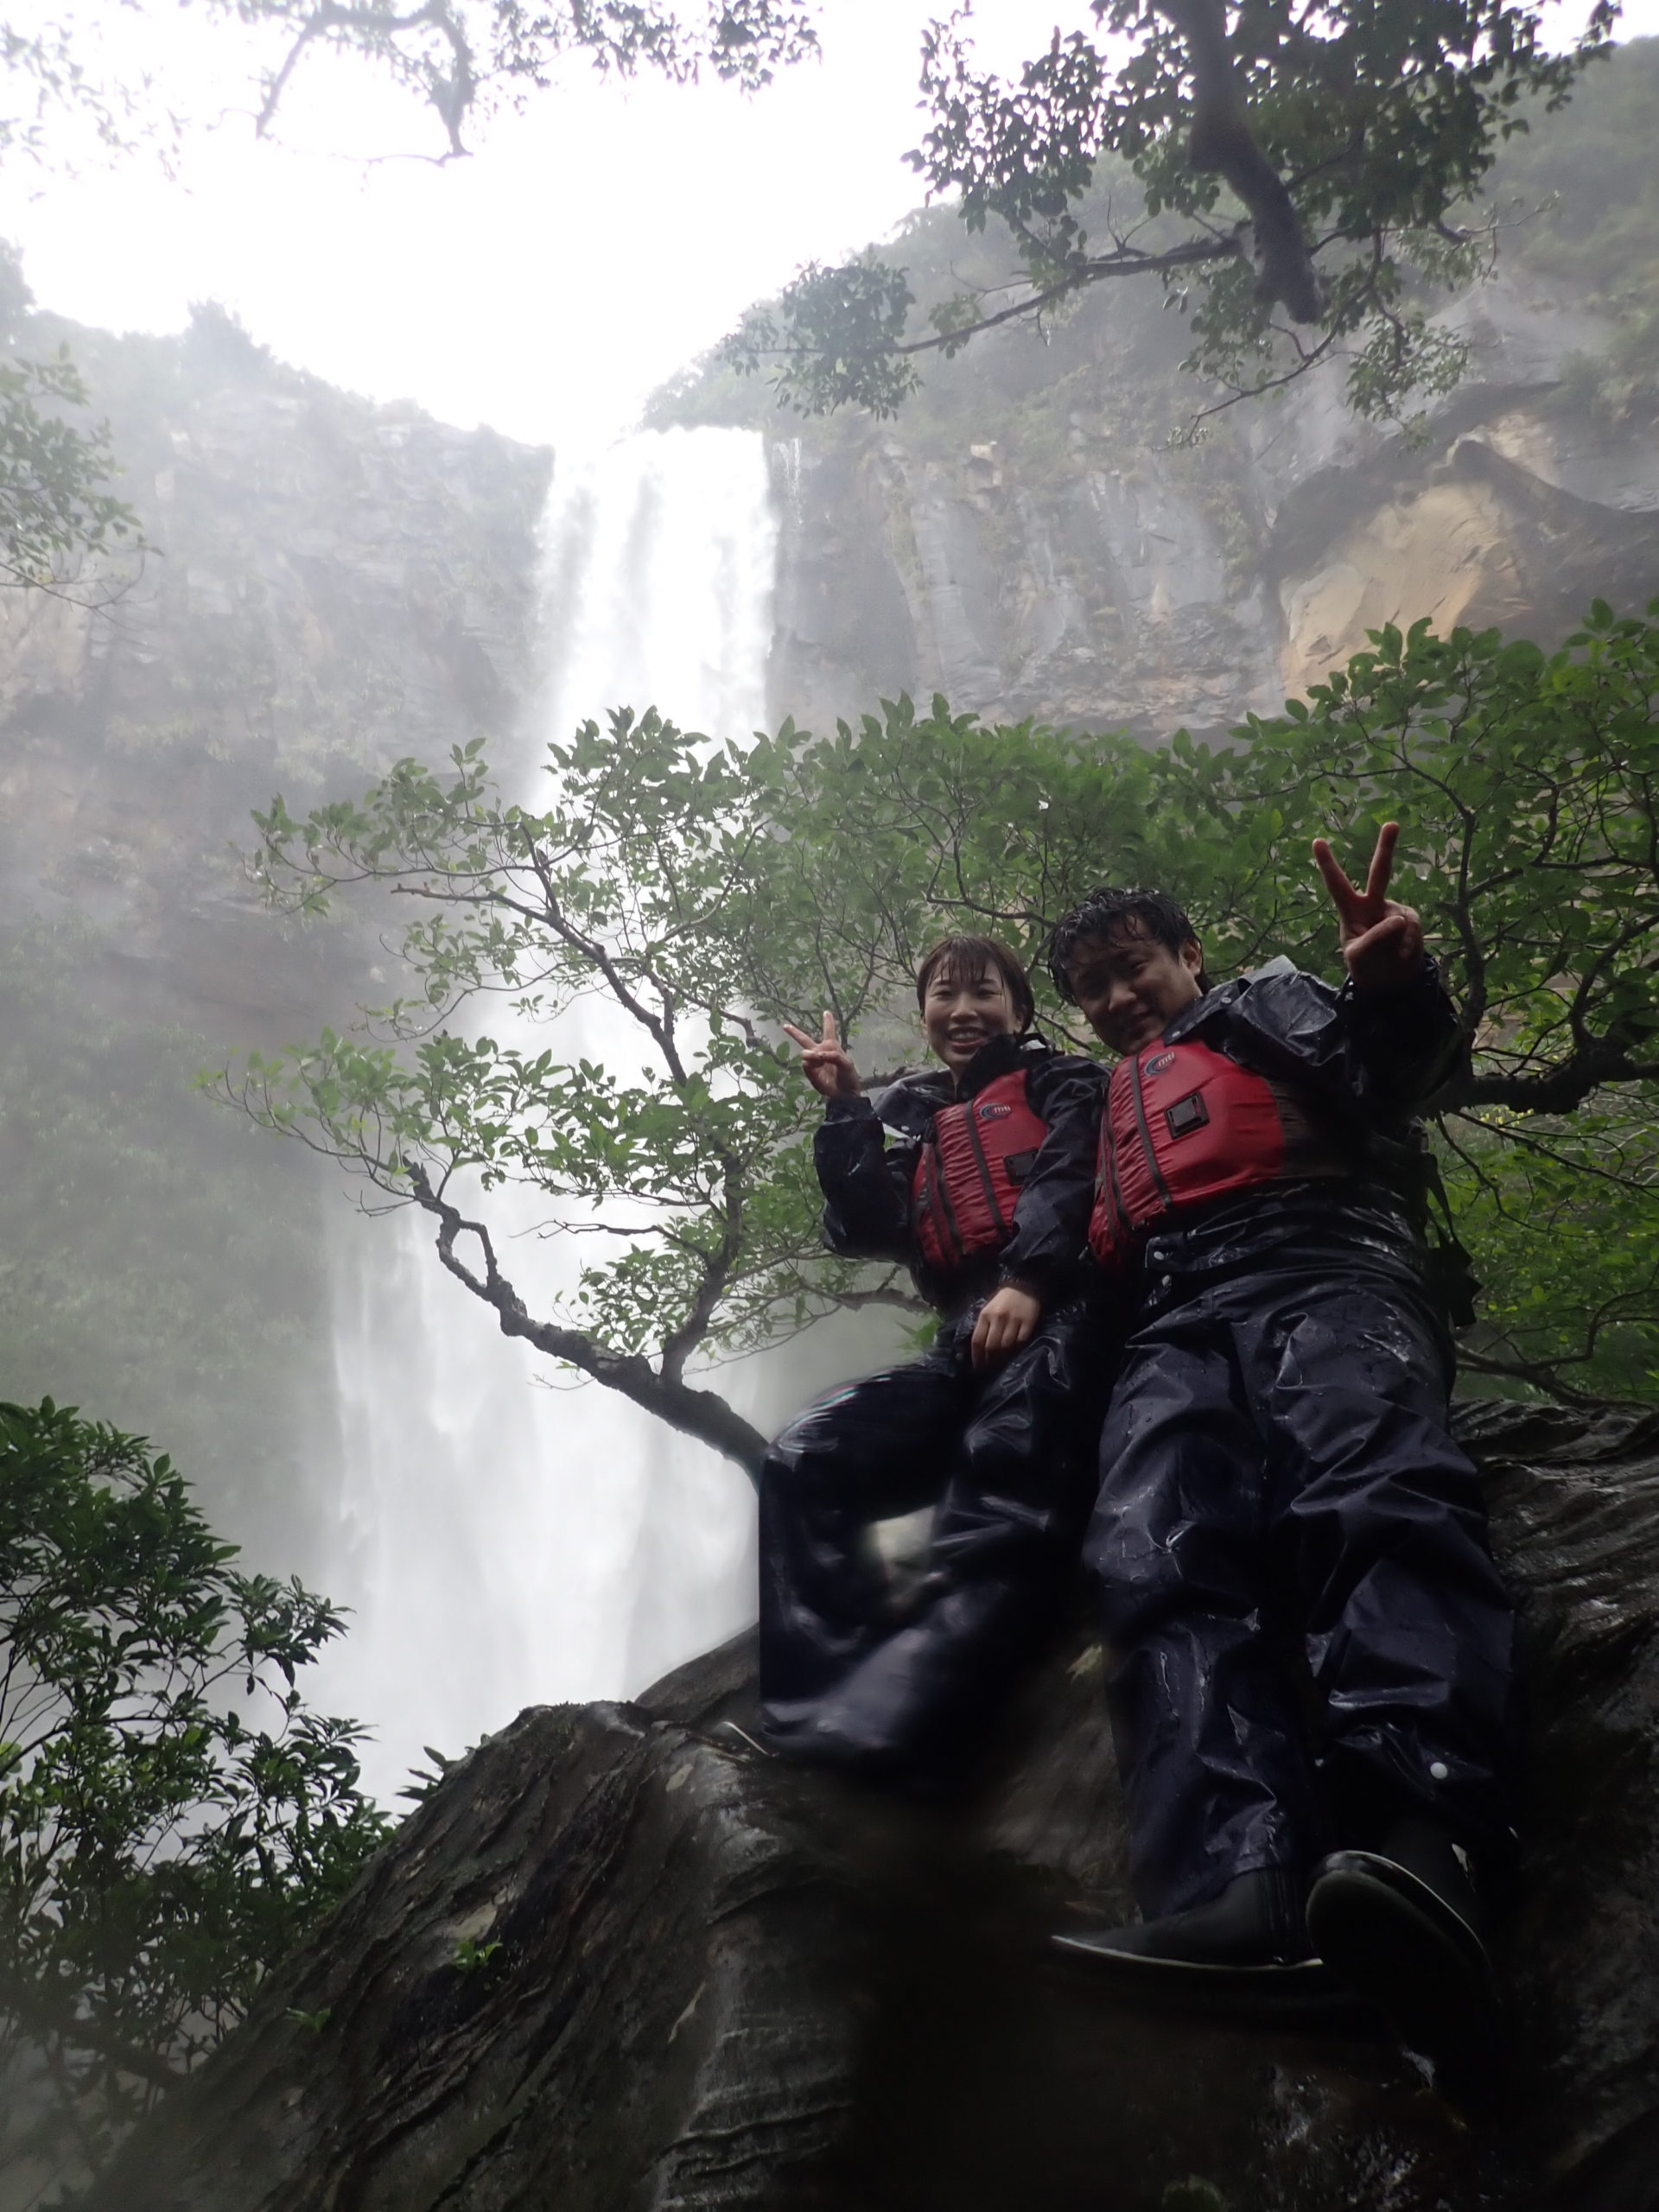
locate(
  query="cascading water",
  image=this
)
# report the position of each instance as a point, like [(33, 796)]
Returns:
[(505, 1537)]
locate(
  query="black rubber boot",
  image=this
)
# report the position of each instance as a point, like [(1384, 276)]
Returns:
[(1403, 1925), (1255, 1927)]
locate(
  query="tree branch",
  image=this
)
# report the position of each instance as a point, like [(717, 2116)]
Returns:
[(1221, 144), (1561, 1090), (1538, 1375), (452, 96), (681, 1342), (693, 1412)]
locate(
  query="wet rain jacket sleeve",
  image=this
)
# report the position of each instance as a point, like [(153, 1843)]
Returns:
[(866, 1183), (1050, 1221), (1383, 1053)]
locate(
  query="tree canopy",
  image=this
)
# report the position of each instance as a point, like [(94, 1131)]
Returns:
[(172, 1814), (1298, 180), (56, 505), (703, 893)]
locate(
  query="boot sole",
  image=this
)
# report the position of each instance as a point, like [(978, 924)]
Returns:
[(737, 1743), (1304, 1989)]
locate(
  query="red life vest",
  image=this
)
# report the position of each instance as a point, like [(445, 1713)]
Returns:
[(966, 1180), (1184, 1124)]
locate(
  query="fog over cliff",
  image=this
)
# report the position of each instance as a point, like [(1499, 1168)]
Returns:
[(334, 585)]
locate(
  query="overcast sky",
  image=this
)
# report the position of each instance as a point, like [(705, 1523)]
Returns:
[(589, 248)]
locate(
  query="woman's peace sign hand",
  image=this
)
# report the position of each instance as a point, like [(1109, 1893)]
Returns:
[(1382, 941), (824, 1061)]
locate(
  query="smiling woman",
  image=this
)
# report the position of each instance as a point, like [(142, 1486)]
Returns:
[(971, 990)]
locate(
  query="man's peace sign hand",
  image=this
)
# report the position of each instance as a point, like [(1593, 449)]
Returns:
[(824, 1061), (1382, 942)]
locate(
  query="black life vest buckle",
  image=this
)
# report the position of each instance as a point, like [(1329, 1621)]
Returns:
[(1186, 1115)]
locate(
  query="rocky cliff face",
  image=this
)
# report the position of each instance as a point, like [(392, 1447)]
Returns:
[(1048, 554), (330, 585)]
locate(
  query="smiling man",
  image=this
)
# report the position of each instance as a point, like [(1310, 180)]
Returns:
[(1310, 1645)]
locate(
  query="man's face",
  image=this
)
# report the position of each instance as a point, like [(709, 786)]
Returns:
[(1130, 986), (961, 1014)]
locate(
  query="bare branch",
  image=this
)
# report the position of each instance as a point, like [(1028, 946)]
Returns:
[(452, 96), (693, 1412)]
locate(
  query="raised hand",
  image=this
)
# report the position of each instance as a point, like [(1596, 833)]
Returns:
[(1382, 941), (824, 1061)]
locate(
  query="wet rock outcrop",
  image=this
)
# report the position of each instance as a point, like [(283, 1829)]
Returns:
[(607, 1966), (325, 586)]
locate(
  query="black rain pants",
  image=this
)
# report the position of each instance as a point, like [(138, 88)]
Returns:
[(1306, 1636), (1007, 1456)]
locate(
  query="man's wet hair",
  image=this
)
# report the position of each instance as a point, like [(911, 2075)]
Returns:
[(959, 960), (1142, 913)]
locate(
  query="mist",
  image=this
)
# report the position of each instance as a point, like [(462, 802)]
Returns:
[(576, 509)]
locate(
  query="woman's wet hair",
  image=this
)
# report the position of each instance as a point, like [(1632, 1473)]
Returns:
[(1141, 913), (957, 960)]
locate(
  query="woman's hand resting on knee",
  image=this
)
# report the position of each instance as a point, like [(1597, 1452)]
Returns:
[(1007, 1320)]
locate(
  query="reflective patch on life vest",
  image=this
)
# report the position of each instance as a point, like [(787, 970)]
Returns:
[(1188, 1115)]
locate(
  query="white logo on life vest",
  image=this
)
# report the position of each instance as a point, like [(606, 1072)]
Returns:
[(1156, 1066), (993, 1113)]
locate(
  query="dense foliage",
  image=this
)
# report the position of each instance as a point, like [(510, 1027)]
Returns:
[(1297, 179), (705, 893), (173, 1815), (56, 507)]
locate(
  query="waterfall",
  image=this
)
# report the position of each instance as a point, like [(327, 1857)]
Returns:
[(505, 1535)]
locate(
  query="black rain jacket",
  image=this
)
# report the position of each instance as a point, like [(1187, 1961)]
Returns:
[(865, 1152)]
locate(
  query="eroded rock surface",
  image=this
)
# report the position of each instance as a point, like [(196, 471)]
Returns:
[(329, 586), (607, 1966), (1053, 558)]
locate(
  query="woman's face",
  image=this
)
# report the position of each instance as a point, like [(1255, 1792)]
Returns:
[(961, 1013)]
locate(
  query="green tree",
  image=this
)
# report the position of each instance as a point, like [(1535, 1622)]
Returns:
[(56, 507), (173, 1815), (705, 894), (1297, 179)]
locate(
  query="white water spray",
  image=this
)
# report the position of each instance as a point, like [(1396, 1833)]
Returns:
[(505, 1537)]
